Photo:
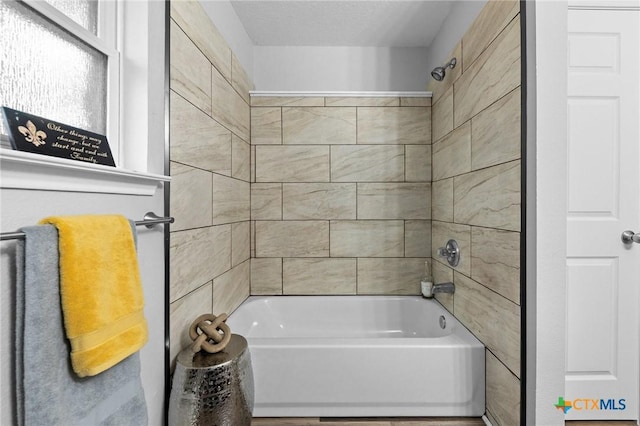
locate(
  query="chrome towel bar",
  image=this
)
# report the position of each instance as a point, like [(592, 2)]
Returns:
[(150, 220)]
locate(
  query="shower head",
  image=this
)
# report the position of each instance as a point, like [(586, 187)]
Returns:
[(438, 73)]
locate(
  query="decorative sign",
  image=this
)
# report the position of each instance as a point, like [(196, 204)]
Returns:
[(39, 135)]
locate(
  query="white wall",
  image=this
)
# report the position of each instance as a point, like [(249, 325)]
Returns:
[(462, 15), (319, 68), (546, 208)]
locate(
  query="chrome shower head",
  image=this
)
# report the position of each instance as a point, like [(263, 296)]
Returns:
[(438, 73)]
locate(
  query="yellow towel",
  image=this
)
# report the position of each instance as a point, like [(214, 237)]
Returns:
[(100, 290)]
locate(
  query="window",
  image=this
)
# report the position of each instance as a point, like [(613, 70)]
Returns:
[(59, 60)]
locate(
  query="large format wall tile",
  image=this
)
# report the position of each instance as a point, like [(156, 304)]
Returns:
[(319, 276), (197, 256), (440, 87), (183, 312), (477, 308), (190, 70), (417, 238), (266, 126), (318, 201), (282, 101), (240, 234), (489, 197), (203, 143), (383, 163), (404, 125), (443, 232), (493, 75), (367, 238), (231, 200), (390, 276), (490, 22), (196, 23), (495, 261), (496, 133), (266, 201), (394, 201), (266, 276), (292, 163), (423, 101), (318, 126), (240, 80), (442, 115), (231, 288), (503, 392), (191, 197), (292, 239), (380, 101), (452, 154), (417, 163), (442, 200), (228, 107), (240, 159)]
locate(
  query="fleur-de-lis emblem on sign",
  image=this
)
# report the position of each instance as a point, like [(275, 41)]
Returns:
[(33, 135)]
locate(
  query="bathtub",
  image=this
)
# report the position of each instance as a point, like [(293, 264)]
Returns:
[(360, 356)]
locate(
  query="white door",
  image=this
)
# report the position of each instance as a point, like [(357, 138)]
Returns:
[(603, 273)]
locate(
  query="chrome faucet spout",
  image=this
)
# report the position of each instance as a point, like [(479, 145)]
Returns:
[(447, 287)]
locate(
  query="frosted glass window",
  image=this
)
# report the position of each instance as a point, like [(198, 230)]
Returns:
[(46, 71), (84, 12)]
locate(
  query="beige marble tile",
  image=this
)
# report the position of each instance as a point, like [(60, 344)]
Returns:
[(367, 238), (231, 200), (417, 238), (502, 392), (440, 87), (357, 101), (390, 276), (240, 159), (415, 102), (394, 200), (403, 125), (253, 163), (197, 256), (318, 125), (266, 276), (197, 139), (490, 22), (253, 239), (182, 313), (495, 261), (240, 79), (452, 154), (196, 23), (494, 320), (318, 201), (445, 231), (384, 163), (489, 197), (442, 115), (496, 133), (266, 126), (231, 288), (319, 276), (281, 101), (442, 200), (190, 70), (190, 197), (308, 238), (228, 107), (266, 201), (292, 163), (240, 250), (494, 74), (443, 274), (417, 163)]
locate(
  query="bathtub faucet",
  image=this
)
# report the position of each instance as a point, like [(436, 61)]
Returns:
[(430, 291)]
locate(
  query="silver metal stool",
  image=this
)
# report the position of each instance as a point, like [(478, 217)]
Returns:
[(213, 389)]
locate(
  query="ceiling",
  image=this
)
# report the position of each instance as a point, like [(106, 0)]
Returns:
[(391, 23)]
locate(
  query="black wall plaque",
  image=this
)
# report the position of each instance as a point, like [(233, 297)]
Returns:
[(31, 133)]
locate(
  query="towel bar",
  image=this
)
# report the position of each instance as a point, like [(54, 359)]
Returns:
[(150, 220)]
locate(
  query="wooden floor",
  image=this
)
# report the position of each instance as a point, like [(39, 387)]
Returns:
[(377, 421)]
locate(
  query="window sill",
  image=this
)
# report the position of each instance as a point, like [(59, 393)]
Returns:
[(22, 170)]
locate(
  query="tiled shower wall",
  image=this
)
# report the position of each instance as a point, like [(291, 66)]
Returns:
[(340, 194), (476, 195), (210, 170)]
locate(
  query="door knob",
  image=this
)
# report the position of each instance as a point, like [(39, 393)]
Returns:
[(629, 237)]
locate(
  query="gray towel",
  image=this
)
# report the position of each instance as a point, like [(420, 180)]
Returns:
[(48, 391)]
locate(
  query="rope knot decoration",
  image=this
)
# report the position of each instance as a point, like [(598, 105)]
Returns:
[(209, 333)]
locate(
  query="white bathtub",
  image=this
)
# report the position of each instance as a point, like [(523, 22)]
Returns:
[(353, 356)]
